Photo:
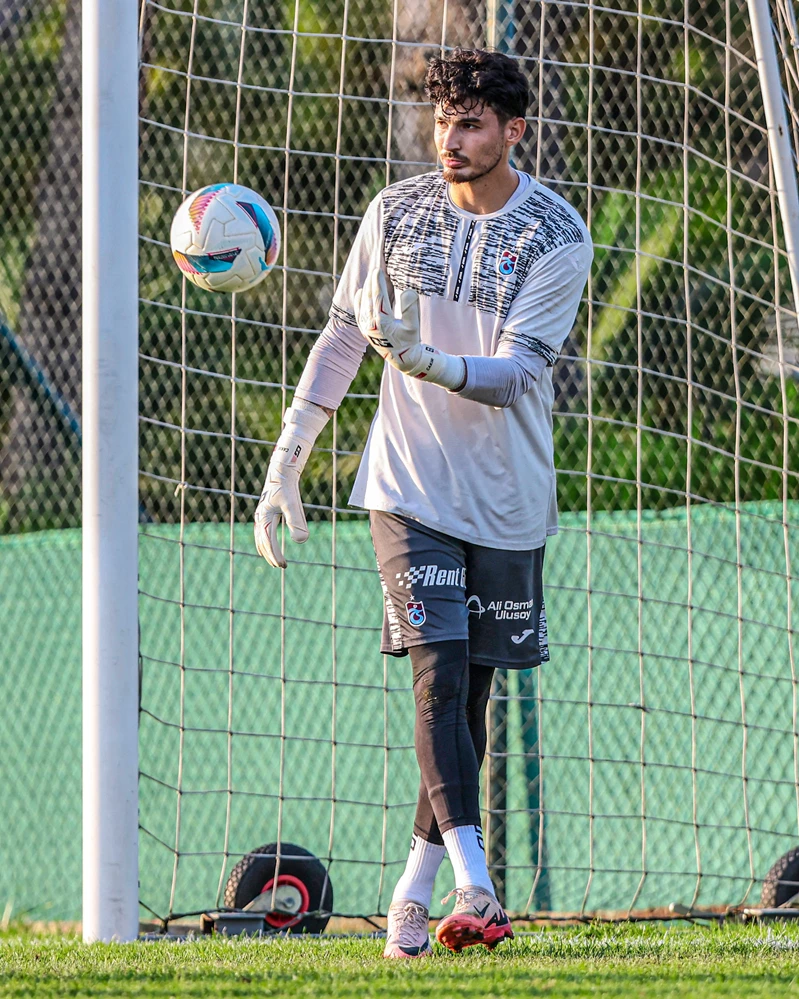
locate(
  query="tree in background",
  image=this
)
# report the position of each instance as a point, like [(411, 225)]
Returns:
[(40, 459), (669, 285)]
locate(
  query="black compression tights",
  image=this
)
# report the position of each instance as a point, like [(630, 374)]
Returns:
[(451, 697)]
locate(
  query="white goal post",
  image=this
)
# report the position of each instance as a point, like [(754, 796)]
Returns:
[(779, 132), (111, 293), (110, 470)]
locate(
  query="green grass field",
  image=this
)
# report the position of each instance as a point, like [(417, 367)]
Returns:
[(596, 961)]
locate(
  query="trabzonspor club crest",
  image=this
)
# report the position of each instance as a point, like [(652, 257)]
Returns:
[(416, 615), (506, 264)]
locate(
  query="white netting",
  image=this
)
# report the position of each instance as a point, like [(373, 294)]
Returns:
[(655, 757)]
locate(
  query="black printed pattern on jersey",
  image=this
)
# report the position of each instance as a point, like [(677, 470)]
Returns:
[(337, 313), (419, 228), (527, 233), (533, 343)]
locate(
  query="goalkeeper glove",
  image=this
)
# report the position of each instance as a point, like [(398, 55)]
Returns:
[(397, 340), (303, 422)]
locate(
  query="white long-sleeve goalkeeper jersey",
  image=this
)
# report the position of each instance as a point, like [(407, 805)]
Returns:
[(508, 285)]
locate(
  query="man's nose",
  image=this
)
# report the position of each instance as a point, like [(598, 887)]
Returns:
[(449, 140)]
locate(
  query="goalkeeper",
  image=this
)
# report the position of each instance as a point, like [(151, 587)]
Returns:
[(467, 282)]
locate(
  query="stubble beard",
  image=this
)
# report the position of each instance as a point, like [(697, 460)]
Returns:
[(467, 177)]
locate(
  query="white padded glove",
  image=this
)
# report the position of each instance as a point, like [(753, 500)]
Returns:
[(302, 424), (397, 339)]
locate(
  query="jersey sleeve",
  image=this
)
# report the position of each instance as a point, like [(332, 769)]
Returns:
[(366, 254), (543, 311), (337, 354), (495, 381)]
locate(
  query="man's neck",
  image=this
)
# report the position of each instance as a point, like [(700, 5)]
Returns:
[(488, 193)]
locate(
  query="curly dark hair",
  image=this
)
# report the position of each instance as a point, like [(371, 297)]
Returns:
[(471, 77)]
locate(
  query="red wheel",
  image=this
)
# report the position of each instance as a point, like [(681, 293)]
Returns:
[(297, 884), (291, 900)]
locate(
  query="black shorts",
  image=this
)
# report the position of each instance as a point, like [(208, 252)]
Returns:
[(436, 587)]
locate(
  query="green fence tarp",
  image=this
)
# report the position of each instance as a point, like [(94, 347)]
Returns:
[(648, 778)]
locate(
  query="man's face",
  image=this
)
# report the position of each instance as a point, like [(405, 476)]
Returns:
[(470, 143)]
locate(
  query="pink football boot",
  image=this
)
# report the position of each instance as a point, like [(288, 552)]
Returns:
[(477, 919)]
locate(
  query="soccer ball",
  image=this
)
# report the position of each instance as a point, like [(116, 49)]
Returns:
[(225, 238)]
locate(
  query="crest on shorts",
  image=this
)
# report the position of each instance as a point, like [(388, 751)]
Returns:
[(506, 264), (416, 615)]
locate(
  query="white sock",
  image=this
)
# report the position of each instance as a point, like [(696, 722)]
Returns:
[(466, 852), (416, 882)]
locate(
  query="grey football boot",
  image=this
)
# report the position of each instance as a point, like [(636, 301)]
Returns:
[(408, 931)]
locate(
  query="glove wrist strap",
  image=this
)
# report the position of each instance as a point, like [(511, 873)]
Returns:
[(305, 418), (446, 370), (303, 423)]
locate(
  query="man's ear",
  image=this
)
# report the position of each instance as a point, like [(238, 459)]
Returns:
[(515, 130)]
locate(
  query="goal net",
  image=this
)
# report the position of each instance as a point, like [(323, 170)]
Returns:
[(655, 758)]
